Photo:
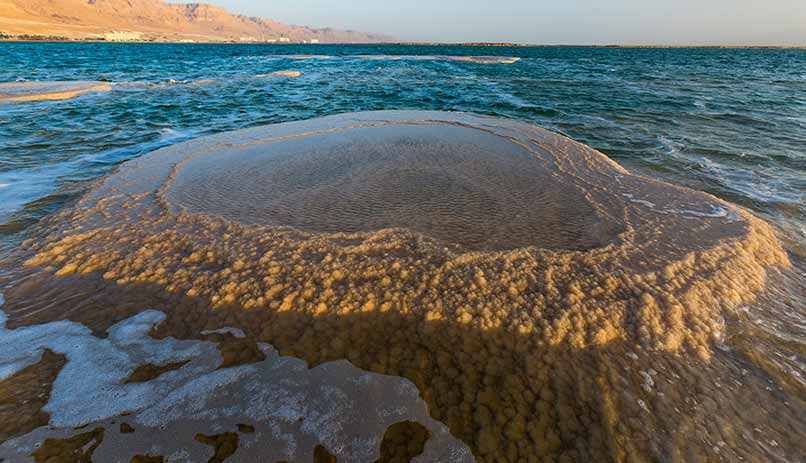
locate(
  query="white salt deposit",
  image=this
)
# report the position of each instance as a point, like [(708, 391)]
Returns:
[(233, 331), (711, 212), (292, 408), (91, 386), (714, 212)]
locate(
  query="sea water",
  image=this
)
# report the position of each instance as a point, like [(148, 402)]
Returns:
[(544, 301), (731, 122)]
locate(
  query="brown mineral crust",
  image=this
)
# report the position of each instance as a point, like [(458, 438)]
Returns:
[(402, 442), (527, 354), (76, 449), (246, 428), (321, 455), (235, 351), (126, 428), (224, 445), (775, 348), (147, 459), (147, 372), (23, 395)]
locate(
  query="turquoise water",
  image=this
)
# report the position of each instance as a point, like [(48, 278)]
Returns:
[(729, 122)]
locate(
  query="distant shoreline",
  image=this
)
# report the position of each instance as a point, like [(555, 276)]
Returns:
[(51, 39), (530, 45)]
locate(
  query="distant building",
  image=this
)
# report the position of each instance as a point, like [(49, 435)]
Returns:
[(284, 40), (314, 40), (121, 36)]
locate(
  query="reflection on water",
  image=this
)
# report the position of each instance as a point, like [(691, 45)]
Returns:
[(657, 344)]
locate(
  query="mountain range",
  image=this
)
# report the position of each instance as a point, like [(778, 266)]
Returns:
[(155, 20)]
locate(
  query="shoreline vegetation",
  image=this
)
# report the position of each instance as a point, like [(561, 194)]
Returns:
[(51, 38)]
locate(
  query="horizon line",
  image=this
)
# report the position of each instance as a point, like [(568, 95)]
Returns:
[(57, 39)]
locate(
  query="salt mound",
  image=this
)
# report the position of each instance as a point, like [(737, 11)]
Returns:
[(280, 74), (544, 300), (45, 91), (459, 185)]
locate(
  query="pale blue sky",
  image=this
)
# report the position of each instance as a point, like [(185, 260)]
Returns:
[(551, 21)]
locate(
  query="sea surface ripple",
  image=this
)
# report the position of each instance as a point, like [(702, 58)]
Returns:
[(731, 122)]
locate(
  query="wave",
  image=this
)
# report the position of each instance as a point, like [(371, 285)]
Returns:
[(465, 59), (27, 185)]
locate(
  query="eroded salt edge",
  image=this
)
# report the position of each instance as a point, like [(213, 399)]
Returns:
[(293, 408), (30, 91), (714, 211), (238, 333)]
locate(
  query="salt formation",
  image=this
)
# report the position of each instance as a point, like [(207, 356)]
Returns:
[(465, 59), (435, 180), (281, 74), (42, 91), (291, 409), (548, 304)]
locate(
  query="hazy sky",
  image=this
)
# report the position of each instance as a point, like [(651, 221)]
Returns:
[(550, 21)]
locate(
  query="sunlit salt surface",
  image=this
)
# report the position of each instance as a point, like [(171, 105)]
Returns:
[(462, 186), (41, 91), (648, 330)]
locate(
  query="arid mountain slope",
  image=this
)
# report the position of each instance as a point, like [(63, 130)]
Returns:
[(154, 20)]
